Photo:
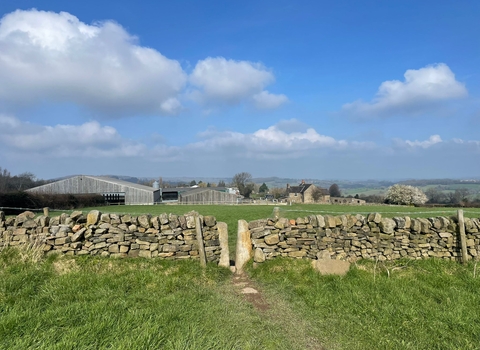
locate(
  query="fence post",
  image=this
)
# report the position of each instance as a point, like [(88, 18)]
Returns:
[(223, 238), (244, 246), (463, 237), (276, 212), (45, 211), (201, 246)]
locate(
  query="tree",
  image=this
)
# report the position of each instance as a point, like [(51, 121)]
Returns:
[(263, 188), (317, 194), (4, 179), (334, 191), (405, 195), (243, 181), (460, 196), (434, 195), (193, 183), (278, 192), (221, 183)]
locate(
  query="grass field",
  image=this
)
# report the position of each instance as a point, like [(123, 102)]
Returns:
[(428, 304), (95, 303)]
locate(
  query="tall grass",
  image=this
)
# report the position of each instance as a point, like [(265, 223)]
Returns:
[(94, 303), (428, 304)]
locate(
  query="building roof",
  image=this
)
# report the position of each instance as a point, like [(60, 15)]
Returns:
[(122, 182), (189, 190), (298, 189), (104, 179)]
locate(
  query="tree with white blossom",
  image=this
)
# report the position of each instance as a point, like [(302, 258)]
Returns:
[(405, 195)]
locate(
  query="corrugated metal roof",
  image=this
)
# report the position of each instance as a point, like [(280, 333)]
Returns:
[(101, 178), (122, 182)]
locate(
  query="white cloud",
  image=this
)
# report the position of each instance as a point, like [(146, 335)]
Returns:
[(56, 57), (266, 100), (432, 140), (288, 147), (219, 80), (273, 143), (89, 140), (421, 90)]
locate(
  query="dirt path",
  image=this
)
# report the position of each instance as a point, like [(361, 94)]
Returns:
[(278, 311)]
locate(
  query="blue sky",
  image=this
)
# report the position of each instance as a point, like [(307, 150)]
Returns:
[(306, 89)]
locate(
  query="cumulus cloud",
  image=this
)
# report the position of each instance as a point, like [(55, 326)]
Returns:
[(56, 57), (407, 144), (93, 148), (218, 80), (432, 140), (421, 90), (88, 140), (273, 142)]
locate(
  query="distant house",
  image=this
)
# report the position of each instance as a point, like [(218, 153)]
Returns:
[(307, 193), (341, 200)]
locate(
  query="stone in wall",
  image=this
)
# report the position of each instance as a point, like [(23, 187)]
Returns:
[(164, 236), (353, 237)]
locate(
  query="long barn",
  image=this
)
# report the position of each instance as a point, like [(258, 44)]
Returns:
[(113, 190), (200, 195)]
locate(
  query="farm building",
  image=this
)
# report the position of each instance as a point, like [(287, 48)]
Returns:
[(113, 190), (200, 195), (307, 193)]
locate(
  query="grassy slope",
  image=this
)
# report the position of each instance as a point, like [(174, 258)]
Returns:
[(96, 303), (93, 303), (430, 304)]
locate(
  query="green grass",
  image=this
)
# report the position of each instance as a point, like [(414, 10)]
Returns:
[(95, 303), (92, 303), (366, 191), (429, 304)]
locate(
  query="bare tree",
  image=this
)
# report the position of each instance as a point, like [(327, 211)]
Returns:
[(243, 181), (278, 192), (4, 179), (317, 194)]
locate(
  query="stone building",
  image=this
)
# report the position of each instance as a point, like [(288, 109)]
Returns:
[(307, 193)]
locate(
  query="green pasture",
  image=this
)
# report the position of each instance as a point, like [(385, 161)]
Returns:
[(365, 191), (102, 303)]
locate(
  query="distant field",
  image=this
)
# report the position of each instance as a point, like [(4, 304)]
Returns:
[(365, 191), (368, 191)]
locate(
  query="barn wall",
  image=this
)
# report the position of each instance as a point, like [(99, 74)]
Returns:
[(85, 184), (208, 197)]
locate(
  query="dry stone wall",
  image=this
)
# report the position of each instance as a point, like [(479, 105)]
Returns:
[(353, 237), (167, 236)]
